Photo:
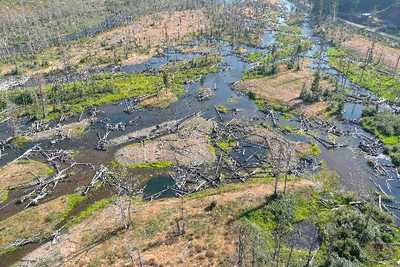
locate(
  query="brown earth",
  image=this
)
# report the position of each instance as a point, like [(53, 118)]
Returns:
[(190, 144), (162, 100), (285, 88), (209, 239)]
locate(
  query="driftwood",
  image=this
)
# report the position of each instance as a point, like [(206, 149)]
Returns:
[(160, 131), (132, 104)]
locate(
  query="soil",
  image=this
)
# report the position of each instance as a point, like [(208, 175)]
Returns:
[(162, 100), (189, 145), (209, 238)]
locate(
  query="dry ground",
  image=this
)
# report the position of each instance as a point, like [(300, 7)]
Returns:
[(209, 239), (190, 144), (20, 173), (40, 220), (285, 88), (359, 45), (162, 100)]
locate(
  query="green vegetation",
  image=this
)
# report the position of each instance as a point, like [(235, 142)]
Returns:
[(382, 84), (106, 88), (254, 56), (312, 150), (222, 108), (226, 145), (98, 205), (385, 126), (3, 104), (73, 201), (351, 233), (20, 141), (3, 196), (151, 165), (290, 45)]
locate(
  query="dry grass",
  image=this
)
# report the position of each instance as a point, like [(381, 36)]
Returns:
[(162, 100), (285, 88), (40, 220), (349, 38), (188, 145), (142, 38), (359, 45), (21, 172), (210, 238)]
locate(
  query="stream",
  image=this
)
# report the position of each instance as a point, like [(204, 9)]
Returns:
[(350, 163)]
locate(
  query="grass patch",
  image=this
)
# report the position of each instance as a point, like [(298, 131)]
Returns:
[(254, 56), (98, 205), (20, 141), (151, 165), (226, 145), (105, 88), (4, 196), (382, 84), (222, 108)]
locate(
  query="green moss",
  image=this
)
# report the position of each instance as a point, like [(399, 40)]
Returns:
[(212, 149), (151, 165), (226, 145)]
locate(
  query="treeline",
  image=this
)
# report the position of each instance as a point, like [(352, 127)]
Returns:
[(331, 8)]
